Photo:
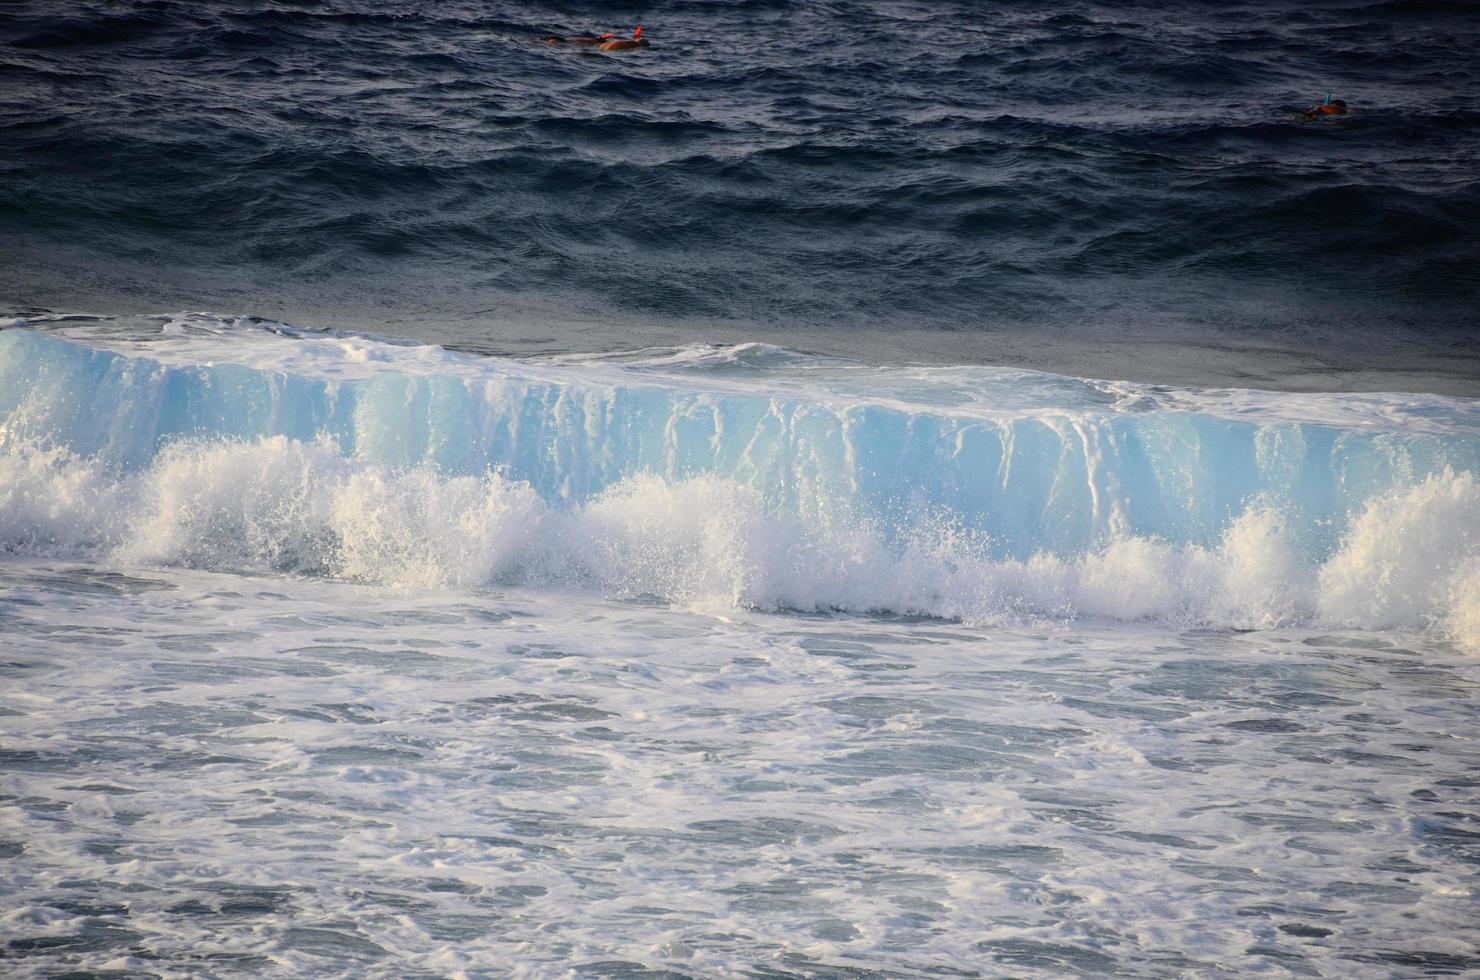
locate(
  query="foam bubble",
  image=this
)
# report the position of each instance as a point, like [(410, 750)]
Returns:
[(1406, 557), (53, 502), (1462, 621), (289, 506)]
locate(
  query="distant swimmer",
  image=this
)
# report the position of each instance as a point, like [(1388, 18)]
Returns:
[(624, 43), (1331, 107), (602, 42)]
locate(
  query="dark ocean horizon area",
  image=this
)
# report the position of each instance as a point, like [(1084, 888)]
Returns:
[(1123, 190)]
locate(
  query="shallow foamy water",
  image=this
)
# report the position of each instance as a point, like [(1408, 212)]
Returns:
[(207, 774)]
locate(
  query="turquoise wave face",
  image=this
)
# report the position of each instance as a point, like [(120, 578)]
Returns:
[(1033, 462), (751, 474)]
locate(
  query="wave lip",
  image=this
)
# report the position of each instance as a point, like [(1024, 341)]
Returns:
[(748, 475)]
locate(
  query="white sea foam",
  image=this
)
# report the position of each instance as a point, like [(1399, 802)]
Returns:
[(1407, 561), (313, 778), (1407, 556)]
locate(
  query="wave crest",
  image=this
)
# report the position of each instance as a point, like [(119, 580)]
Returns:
[(1409, 560)]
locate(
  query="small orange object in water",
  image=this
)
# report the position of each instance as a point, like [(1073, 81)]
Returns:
[(624, 43)]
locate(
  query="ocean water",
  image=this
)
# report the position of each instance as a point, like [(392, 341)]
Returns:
[(1076, 186), (224, 775), (852, 490), (331, 655)]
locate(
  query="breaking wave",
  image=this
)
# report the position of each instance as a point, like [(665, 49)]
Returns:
[(1406, 561), (739, 476)]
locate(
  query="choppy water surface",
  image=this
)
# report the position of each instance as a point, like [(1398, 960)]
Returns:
[(859, 166), (208, 774)]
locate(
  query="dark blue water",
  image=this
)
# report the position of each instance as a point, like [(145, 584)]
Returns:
[(819, 166)]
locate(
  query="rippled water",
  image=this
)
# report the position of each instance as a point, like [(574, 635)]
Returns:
[(1119, 171), (211, 774)]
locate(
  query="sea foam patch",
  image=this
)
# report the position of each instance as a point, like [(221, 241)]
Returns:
[(313, 778)]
